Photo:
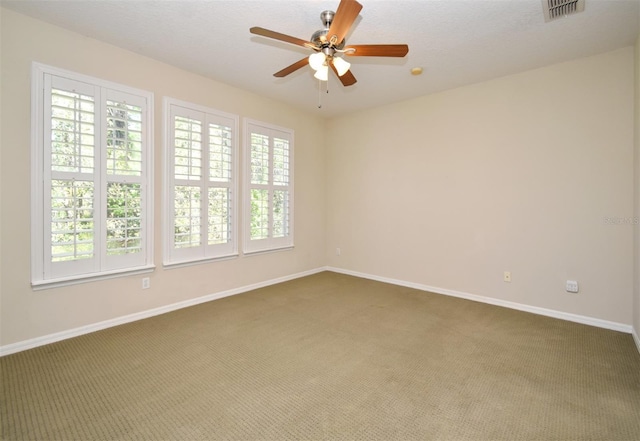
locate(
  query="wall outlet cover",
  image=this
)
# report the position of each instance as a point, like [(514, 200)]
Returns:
[(572, 286)]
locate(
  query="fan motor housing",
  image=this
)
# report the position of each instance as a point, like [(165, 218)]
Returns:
[(316, 38)]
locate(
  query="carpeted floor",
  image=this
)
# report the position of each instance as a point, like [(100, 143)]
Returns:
[(329, 357)]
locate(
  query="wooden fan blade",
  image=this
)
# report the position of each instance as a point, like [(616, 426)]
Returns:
[(377, 50), (282, 37), (346, 14), (290, 69), (347, 79)]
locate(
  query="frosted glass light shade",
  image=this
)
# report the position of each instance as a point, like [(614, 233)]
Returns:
[(323, 73), (317, 60), (341, 66)]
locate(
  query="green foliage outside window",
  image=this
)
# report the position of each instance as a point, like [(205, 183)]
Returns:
[(124, 212)]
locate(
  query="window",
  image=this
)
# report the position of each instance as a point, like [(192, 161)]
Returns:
[(91, 178), (201, 183), (268, 185)]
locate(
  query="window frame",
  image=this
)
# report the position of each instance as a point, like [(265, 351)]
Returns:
[(48, 274), (173, 256), (253, 246)]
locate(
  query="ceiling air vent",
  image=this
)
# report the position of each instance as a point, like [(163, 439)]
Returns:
[(554, 9)]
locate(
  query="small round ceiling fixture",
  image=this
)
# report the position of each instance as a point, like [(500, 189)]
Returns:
[(416, 70)]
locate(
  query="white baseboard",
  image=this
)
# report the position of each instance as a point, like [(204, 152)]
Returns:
[(58, 336), (636, 337), (52, 338), (492, 301)]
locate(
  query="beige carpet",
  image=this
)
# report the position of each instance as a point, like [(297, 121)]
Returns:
[(329, 357)]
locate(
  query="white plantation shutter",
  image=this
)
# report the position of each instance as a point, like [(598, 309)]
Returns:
[(69, 193), (90, 178), (201, 183), (125, 141), (268, 201)]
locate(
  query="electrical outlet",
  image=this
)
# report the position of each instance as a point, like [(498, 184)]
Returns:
[(507, 276), (146, 283), (572, 286), (338, 252)]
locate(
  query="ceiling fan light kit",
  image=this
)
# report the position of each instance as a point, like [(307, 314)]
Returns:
[(317, 60), (341, 65), (322, 73), (328, 42)]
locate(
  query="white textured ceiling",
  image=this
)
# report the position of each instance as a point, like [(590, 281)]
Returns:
[(456, 42)]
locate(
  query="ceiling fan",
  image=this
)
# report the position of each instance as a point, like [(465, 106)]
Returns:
[(329, 42)]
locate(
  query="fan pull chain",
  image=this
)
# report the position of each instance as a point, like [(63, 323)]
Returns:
[(320, 92)]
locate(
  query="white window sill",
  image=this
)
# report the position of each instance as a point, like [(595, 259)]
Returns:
[(268, 250), (191, 262), (86, 278)]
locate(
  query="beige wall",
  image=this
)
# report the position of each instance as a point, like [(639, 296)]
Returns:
[(636, 297), (515, 174), (1, 195), (449, 190), (27, 314)]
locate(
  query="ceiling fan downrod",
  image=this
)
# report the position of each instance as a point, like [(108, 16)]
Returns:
[(329, 42), (327, 18)]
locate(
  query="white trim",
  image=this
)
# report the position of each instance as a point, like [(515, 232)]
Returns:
[(111, 274), (192, 262), (268, 250), (56, 71), (585, 320), (58, 336), (636, 338), (52, 338), (37, 180)]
